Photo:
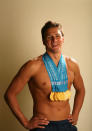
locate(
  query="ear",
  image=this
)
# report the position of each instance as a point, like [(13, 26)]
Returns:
[(63, 39)]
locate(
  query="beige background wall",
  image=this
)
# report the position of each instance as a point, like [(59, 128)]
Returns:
[(20, 40)]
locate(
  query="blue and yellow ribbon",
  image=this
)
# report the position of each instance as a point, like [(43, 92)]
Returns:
[(58, 78)]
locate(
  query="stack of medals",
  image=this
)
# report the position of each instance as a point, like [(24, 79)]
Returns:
[(58, 78)]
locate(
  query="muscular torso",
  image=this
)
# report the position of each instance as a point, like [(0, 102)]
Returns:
[(40, 88)]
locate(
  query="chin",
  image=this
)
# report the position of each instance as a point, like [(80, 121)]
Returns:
[(56, 50)]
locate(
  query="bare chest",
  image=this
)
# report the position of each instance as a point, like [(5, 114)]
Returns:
[(42, 82)]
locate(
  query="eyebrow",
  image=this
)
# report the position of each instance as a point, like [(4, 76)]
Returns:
[(54, 34)]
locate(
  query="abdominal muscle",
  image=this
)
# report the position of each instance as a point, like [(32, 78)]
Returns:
[(52, 110)]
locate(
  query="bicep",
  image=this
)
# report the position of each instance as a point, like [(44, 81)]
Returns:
[(19, 81), (78, 80)]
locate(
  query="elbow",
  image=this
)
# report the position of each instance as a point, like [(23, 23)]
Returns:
[(81, 91), (8, 96), (84, 92)]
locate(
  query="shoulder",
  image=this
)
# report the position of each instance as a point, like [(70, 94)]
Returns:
[(35, 62), (31, 66), (72, 64)]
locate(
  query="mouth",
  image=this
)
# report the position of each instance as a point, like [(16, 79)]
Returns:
[(55, 46)]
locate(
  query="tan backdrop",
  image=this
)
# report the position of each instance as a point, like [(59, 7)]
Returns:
[(20, 40)]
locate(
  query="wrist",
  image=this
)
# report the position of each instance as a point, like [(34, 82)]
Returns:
[(25, 123), (75, 115), (75, 112)]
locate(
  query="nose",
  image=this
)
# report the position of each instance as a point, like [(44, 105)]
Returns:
[(54, 39)]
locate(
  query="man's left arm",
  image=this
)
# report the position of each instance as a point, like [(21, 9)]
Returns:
[(79, 94)]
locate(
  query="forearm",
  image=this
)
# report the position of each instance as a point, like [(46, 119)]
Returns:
[(14, 106), (78, 101)]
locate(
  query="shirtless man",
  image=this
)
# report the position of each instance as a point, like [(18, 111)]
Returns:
[(48, 114)]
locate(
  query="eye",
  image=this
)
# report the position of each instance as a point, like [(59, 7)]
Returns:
[(58, 36), (49, 37)]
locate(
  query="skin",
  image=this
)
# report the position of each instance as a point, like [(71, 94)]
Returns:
[(34, 73)]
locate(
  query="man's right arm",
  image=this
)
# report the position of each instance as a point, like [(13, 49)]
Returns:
[(15, 87)]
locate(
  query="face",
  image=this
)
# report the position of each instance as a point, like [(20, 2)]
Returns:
[(53, 39)]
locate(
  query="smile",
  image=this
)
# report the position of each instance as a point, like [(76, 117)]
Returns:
[(55, 46)]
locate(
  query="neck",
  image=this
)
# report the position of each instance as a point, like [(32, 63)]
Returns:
[(55, 56)]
